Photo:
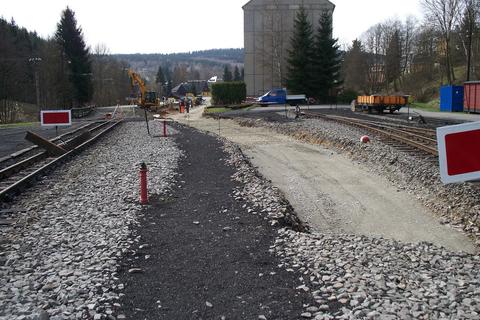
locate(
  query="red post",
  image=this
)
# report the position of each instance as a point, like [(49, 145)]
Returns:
[(164, 128), (143, 184)]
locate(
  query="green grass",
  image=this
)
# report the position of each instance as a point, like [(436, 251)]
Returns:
[(432, 106), (220, 109), (17, 125), (216, 110)]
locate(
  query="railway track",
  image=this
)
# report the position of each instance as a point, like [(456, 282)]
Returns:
[(23, 168), (34, 150), (416, 139)]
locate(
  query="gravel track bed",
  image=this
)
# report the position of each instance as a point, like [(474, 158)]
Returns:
[(59, 258), (455, 204), (431, 123), (352, 277), (360, 277)]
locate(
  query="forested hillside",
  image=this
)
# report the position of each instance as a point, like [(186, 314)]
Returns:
[(180, 67), (33, 68)]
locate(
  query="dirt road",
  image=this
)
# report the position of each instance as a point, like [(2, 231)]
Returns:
[(331, 193)]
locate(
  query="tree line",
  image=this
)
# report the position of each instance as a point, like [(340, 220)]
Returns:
[(163, 72), (58, 72), (416, 57), (237, 74), (213, 55)]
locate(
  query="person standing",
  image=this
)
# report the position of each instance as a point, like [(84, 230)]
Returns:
[(297, 112), (182, 106)]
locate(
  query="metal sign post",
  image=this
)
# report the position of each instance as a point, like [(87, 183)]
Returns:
[(146, 121)]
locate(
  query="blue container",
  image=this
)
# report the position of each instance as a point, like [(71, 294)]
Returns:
[(451, 99)]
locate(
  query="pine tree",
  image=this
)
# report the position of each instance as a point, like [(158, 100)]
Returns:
[(168, 80), (236, 74), (299, 75), (160, 81), (76, 55), (160, 78), (393, 60), (169, 87), (227, 74), (242, 76), (355, 67), (326, 62)]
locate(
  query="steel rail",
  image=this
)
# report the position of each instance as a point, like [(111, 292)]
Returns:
[(14, 188), (17, 167), (414, 135), (20, 153), (410, 128), (429, 149)]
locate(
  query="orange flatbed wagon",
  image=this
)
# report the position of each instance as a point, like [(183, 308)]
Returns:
[(379, 103)]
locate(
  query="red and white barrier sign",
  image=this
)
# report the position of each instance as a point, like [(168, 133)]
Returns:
[(459, 152), (53, 118)]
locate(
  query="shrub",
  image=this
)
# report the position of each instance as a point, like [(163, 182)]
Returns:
[(347, 96), (229, 92)]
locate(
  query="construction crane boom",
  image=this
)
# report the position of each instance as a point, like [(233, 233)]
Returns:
[(147, 99)]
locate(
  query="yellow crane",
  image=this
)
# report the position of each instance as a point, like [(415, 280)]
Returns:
[(147, 99)]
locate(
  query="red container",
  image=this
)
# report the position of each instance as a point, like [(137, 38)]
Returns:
[(471, 99)]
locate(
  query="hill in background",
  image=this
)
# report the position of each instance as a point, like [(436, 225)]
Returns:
[(180, 67)]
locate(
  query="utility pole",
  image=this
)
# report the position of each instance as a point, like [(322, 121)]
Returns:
[(35, 61), (37, 88)]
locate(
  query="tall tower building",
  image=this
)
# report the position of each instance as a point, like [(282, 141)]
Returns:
[(268, 29)]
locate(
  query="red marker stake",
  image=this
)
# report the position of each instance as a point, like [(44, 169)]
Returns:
[(164, 128), (143, 184)]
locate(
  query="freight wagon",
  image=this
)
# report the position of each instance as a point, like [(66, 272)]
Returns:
[(471, 99), (379, 103)]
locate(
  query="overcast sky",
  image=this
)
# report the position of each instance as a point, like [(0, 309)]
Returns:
[(165, 26)]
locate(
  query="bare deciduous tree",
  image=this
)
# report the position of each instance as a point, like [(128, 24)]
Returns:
[(409, 32), (373, 41), (444, 14), (467, 28)]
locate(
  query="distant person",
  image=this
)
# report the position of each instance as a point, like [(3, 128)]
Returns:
[(188, 106), (182, 105), (297, 112)]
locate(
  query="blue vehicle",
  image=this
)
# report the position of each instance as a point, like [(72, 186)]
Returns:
[(280, 96)]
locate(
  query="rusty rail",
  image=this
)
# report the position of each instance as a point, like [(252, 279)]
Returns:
[(401, 136), (8, 192)]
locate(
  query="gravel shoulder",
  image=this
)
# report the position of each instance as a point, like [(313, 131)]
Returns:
[(59, 254), (330, 192), (333, 195)]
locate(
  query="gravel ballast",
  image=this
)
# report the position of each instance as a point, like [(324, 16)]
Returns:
[(456, 204), (361, 277), (358, 277), (218, 242), (59, 258)]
